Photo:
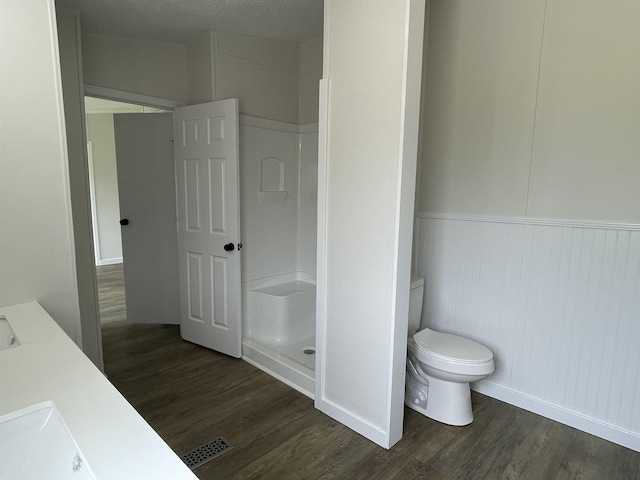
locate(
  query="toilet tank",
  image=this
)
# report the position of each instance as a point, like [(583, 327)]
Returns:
[(415, 303)]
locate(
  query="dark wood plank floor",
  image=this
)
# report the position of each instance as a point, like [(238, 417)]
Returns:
[(191, 395)]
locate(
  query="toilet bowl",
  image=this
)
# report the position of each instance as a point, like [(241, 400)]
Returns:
[(440, 367)]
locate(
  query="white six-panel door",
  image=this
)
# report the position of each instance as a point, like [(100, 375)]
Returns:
[(206, 163)]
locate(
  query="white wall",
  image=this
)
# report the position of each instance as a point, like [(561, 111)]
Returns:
[(367, 178), (200, 69), (262, 73), (310, 75), (36, 245), (532, 111), (525, 124), (479, 93), (587, 132), (146, 67), (273, 79)]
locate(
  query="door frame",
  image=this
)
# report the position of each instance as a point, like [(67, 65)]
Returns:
[(89, 324), (128, 97)]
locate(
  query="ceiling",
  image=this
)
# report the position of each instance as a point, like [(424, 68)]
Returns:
[(180, 20)]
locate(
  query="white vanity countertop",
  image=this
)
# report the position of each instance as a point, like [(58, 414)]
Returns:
[(116, 441)]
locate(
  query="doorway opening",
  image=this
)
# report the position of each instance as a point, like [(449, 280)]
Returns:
[(104, 186)]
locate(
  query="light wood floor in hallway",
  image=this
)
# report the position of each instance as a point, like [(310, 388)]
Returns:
[(111, 294), (191, 395)]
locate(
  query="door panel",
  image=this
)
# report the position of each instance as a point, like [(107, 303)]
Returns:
[(217, 182), (146, 187), (206, 165)]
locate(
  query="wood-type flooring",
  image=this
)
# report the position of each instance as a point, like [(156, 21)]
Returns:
[(111, 295), (191, 395)]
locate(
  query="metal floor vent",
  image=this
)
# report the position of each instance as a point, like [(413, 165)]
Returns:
[(203, 454)]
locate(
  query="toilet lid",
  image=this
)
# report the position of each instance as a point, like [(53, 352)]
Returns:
[(452, 347)]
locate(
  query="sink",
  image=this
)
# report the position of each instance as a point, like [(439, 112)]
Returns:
[(35, 443), (8, 339)]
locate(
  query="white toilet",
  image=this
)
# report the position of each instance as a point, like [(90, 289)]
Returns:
[(440, 367)]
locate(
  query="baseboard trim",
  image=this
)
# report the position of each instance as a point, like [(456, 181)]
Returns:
[(573, 419), (108, 261), (354, 422)]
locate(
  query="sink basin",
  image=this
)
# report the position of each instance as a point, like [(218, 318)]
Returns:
[(8, 339), (36, 443)]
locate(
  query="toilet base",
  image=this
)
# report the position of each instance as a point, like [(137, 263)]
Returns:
[(446, 402)]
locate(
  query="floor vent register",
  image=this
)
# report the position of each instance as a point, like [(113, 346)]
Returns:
[(205, 453)]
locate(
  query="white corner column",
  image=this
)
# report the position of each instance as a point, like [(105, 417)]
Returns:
[(369, 114)]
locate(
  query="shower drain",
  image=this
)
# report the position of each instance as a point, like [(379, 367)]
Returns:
[(206, 452)]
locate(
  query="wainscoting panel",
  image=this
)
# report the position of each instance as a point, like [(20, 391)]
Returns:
[(557, 302)]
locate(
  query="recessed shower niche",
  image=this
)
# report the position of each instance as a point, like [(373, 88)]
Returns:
[(272, 181)]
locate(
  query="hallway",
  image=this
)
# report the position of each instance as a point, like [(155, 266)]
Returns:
[(111, 293)]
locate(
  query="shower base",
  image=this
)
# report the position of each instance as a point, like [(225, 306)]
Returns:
[(292, 364)]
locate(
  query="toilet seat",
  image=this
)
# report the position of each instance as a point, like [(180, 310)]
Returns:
[(451, 353), (452, 348)]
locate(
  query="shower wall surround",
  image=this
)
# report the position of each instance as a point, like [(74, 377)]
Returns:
[(278, 197), (278, 185)]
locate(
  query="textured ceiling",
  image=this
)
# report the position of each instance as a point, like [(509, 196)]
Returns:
[(179, 20)]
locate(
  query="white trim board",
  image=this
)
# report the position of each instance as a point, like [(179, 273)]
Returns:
[(249, 121), (321, 228), (108, 261), (129, 97), (532, 221), (356, 423), (93, 204), (554, 412), (308, 128)]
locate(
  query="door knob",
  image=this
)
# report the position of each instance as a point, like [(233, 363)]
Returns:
[(124, 221), (229, 247)]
